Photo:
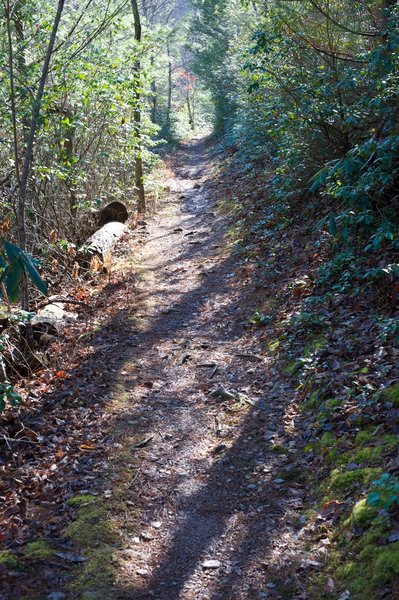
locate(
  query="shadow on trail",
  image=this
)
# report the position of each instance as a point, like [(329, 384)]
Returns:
[(234, 493)]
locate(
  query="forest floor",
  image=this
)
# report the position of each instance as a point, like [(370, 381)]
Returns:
[(163, 456)]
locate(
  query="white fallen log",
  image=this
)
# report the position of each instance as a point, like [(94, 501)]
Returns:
[(103, 240)]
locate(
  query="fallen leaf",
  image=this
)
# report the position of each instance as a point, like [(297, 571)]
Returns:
[(60, 374)]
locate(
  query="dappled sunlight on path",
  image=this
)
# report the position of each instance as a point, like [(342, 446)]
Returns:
[(209, 491)]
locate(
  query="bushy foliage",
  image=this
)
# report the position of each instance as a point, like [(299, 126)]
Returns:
[(314, 99), (385, 492)]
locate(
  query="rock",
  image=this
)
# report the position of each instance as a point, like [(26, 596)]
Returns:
[(393, 537), (56, 596), (71, 557), (303, 519), (271, 586), (310, 564), (352, 466), (211, 564), (156, 524), (135, 540), (222, 393), (219, 449)]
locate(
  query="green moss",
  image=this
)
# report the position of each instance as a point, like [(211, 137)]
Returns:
[(92, 527), (96, 535), (361, 564), (346, 570), (81, 500), (391, 394), (335, 457), (97, 574), (362, 514), (390, 441), (274, 345), (355, 577), (362, 371), (333, 403), (386, 564), (317, 343), (376, 532), (318, 582), (292, 367), (8, 560), (279, 449), (375, 566), (363, 437), (369, 455), (313, 401), (38, 550), (340, 482), (327, 439)]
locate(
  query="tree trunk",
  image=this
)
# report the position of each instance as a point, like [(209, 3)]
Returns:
[(12, 93), (153, 96), (190, 112), (103, 240), (70, 182), (169, 107), (27, 161), (141, 204), (21, 62)]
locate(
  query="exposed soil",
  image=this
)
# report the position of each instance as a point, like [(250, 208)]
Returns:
[(210, 479), (192, 475)]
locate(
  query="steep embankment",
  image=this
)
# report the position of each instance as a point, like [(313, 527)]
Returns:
[(326, 310)]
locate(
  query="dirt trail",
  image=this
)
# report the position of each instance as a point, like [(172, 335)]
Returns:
[(210, 484)]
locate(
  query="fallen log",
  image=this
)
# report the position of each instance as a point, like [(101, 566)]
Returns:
[(26, 340), (49, 320), (102, 241), (115, 211)]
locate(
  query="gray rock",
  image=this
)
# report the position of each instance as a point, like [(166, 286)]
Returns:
[(222, 393), (211, 564)]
